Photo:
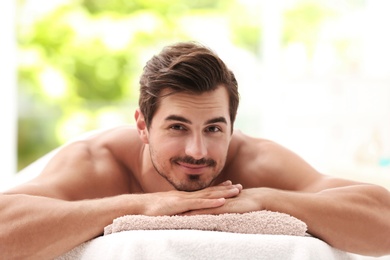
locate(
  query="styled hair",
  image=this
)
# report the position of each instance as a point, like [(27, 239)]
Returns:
[(185, 67)]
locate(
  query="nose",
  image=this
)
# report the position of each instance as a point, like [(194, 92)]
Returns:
[(196, 147)]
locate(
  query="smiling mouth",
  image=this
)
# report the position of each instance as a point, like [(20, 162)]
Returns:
[(193, 170), (192, 166), (191, 163)]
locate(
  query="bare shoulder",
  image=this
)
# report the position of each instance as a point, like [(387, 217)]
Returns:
[(257, 162), (99, 165), (246, 149), (245, 145)]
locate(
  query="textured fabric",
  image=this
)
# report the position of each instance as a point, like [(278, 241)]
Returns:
[(258, 222), (205, 245)]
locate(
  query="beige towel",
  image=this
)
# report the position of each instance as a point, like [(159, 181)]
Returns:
[(258, 222)]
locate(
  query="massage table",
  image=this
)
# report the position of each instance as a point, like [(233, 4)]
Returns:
[(197, 244)]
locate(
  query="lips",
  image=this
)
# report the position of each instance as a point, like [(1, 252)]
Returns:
[(192, 168)]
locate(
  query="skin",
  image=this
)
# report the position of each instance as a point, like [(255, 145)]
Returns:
[(187, 162)]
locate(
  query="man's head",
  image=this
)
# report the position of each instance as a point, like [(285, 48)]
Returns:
[(185, 67), (188, 104)]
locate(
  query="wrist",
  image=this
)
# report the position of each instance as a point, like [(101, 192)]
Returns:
[(279, 200)]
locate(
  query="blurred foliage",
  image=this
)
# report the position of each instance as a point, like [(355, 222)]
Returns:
[(80, 61), (303, 23)]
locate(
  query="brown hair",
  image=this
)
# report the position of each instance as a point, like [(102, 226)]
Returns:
[(185, 67)]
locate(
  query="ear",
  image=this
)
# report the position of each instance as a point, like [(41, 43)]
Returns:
[(141, 126)]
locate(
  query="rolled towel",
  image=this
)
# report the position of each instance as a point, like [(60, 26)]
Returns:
[(257, 222)]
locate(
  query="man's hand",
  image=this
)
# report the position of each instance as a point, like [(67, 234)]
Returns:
[(178, 202), (247, 200)]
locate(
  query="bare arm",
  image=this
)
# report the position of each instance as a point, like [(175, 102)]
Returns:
[(353, 218), (74, 199), (42, 228), (348, 215), (37, 227)]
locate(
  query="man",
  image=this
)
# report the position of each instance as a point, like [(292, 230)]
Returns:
[(183, 157)]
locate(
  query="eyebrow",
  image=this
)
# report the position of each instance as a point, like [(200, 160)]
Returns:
[(220, 119), (177, 118)]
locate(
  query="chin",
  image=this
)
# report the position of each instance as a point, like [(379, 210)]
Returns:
[(192, 183)]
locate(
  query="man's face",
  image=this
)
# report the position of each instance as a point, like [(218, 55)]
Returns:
[(189, 138)]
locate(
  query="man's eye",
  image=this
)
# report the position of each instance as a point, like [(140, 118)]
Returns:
[(177, 127), (213, 129)]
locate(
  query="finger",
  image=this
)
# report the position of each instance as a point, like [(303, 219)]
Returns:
[(226, 191), (229, 183), (225, 183), (210, 211), (218, 192), (201, 204)]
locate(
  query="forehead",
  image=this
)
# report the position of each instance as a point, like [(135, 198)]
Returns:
[(207, 104)]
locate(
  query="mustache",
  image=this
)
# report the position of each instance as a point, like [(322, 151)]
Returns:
[(190, 160)]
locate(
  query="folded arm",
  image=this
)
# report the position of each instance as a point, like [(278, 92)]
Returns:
[(350, 216), (353, 218), (76, 196), (37, 227)]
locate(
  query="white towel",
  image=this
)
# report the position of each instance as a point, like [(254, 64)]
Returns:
[(205, 245), (258, 222), (256, 235)]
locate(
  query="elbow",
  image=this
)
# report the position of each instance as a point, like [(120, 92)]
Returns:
[(368, 227), (380, 209), (8, 244)]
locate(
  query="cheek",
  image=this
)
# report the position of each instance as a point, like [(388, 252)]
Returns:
[(218, 151), (165, 147)]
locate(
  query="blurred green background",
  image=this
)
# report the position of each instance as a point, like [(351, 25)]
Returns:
[(80, 60)]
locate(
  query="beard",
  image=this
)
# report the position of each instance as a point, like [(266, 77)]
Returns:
[(191, 182)]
